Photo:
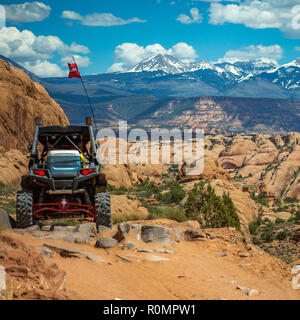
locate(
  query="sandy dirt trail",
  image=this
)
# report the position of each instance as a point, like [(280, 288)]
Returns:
[(194, 269)]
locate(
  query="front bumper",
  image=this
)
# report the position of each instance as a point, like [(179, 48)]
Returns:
[(55, 184)]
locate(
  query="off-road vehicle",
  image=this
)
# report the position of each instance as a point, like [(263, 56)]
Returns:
[(64, 177)]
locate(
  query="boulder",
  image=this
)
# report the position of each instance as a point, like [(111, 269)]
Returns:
[(128, 246), (191, 235), (32, 228), (106, 243), (86, 228), (4, 220), (123, 231), (156, 234), (82, 239)]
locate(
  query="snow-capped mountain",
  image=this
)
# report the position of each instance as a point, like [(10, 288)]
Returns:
[(287, 75), (257, 66), (160, 62), (172, 65), (263, 77)]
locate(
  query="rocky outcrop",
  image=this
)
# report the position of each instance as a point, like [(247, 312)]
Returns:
[(13, 164), (212, 170), (271, 164), (123, 207), (4, 220), (22, 100), (29, 275)]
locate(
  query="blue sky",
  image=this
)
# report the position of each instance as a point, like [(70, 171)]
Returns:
[(115, 34)]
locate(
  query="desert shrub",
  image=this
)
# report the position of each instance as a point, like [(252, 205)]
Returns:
[(267, 235), (290, 200), (260, 198), (256, 241), (117, 191), (172, 213), (125, 218), (297, 215), (253, 226), (210, 210), (279, 221), (278, 203), (282, 235), (174, 195), (9, 205)]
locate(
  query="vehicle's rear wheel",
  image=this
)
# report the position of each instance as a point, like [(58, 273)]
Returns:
[(102, 210), (24, 209)]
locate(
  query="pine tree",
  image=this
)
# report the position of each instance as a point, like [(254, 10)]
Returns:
[(210, 210)]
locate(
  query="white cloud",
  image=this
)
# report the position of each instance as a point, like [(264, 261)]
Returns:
[(45, 69), (116, 67), (34, 51), (99, 19), (257, 14), (184, 52), (253, 52), (27, 12), (81, 61), (196, 17), (78, 48), (216, 1), (129, 54), (72, 15)]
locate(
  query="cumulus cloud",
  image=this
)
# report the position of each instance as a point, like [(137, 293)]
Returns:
[(253, 52), (129, 54), (216, 0), (99, 19), (45, 69), (27, 12), (78, 48), (196, 17), (117, 67), (33, 52), (258, 14), (80, 60)]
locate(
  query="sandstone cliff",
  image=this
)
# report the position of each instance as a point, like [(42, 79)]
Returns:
[(21, 101)]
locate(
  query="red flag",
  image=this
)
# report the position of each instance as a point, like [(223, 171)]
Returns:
[(74, 72)]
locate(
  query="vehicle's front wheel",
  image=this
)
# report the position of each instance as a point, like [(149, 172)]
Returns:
[(24, 209), (102, 210)]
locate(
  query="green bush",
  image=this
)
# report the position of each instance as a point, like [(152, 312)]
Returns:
[(260, 198), (256, 241), (253, 226), (171, 213), (282, 235), (267, 235), (210, 210), (125, 218), (279, 221), (175, 195), (290, 200), (297, 215), (117, 191), (278, 203)]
